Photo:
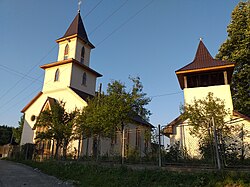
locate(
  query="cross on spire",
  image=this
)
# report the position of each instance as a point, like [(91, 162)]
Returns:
[(79, 5)]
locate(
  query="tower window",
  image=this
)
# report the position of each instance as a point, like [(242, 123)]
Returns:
[(66, 52), (56, 75), (206, 79), (82, 55), (84, 79)]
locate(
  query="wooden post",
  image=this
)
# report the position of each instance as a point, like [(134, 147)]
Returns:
[(216, 146), (225, 77), (123, 143), (185, 81), (159, 136)]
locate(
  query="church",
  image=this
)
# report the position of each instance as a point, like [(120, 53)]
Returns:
[(203, 75), (71, 79)]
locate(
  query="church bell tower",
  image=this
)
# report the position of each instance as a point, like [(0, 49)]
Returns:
[(206, 74), (72, 68)]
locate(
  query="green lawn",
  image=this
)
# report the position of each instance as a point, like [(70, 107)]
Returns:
[(94, 175)]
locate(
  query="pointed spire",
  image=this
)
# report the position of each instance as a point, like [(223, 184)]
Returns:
[(202, 54), (77, 28)]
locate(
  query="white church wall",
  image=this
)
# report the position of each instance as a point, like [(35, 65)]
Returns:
[(72, 45), (76, 80), (63, 81), (79, 46), (221, 91)]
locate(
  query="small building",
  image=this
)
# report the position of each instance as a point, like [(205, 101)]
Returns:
[(203, 75), (71, 79)]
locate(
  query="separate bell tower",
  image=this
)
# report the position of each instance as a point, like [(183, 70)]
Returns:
[(206, 74)]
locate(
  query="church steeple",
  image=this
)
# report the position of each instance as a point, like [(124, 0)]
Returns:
[(72, 68), (76, 29), (75, 43)]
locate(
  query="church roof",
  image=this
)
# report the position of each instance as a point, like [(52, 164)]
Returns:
[(203, 59), (169, 128), (71, 60), (204, 62), (85, 96), (141, 121), (76, 28)]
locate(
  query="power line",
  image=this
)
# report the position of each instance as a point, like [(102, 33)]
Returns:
[(125, 22), (107, 18), (166, 94), (26, 74), (5, 68), (115, 30), (24, 90), (93, 9)]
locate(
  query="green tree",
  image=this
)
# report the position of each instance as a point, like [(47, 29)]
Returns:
[(109, 112), (199, 116), (5, 134), (236, 48), (17, 132), (57, 124)]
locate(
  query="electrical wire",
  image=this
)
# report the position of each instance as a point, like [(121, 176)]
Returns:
[(92, 9), (115, 30), (26, 74), (166, 94), (107, 18), (125, 22)]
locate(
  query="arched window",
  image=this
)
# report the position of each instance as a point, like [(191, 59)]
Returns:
[(66, 52), (82, 55), (56, 75), (84, 79)]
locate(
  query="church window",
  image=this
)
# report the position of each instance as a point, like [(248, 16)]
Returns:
[(33, 117), (84, 79), (66, 52), (137, 137), (82, 55), (56, 75)]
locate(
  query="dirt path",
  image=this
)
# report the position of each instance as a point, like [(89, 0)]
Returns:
[(16, 175)]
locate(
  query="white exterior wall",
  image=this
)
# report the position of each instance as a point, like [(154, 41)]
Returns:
[(75, 50), (181, 134), (108, 149), (79, 46), (76, 80), (66, 95), (64, 77), (222, 91), (72, 46)]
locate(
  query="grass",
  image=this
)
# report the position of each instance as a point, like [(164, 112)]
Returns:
[(94, 175)]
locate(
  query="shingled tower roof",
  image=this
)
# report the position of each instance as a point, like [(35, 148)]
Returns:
[(76, 28), (203, 62), (203, 59)]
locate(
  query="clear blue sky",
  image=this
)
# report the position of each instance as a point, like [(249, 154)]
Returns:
[(150, 42)]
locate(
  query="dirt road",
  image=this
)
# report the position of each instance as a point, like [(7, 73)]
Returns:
[(16, 175)]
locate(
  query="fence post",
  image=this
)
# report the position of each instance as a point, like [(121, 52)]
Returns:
[(123, 143), (159, 136), (216, 145)]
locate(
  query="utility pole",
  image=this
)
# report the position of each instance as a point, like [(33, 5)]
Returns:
[(159, 137), (216, 145)]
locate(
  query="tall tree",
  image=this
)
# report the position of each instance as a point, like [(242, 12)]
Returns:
[(17, 132), (109, 112), (5, 134), (56, 124), (206, 118), (236, 48)]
